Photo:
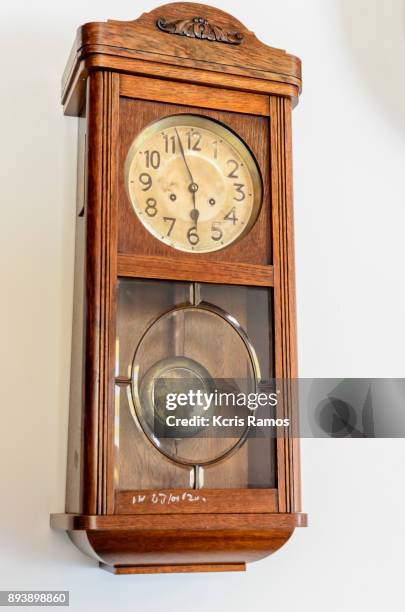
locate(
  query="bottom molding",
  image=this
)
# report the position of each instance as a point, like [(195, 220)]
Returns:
[(173, 569), (138, 544)]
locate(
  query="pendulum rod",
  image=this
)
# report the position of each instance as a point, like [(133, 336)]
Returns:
[(195, 294)]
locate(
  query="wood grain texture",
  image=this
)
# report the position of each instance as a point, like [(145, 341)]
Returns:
[(74, 97), (195, 522), (133, 238), (157, 540), (74, 479), (207, 501), (141, 38), (174, 569), (101, 277), (284, 298), (194, 95), (149, 266)]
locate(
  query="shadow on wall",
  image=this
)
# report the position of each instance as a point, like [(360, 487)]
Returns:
[(375, 30)]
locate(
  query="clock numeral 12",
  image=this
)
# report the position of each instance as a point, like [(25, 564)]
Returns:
[(194, 139)]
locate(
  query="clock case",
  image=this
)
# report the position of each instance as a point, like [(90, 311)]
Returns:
[(179, 58)]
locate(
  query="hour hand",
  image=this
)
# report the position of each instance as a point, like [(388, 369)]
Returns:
[(194, 214)]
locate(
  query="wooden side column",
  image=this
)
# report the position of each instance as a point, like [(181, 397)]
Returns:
[(103, 104), (288, 470)]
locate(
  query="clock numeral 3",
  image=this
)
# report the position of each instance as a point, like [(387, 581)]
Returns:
[(239, 189)]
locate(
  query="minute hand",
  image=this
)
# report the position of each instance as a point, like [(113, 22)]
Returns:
[(183, 156), (193, 187)]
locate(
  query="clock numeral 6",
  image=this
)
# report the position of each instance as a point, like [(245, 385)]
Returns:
[(192, 236), (151, 209), (216, 232)]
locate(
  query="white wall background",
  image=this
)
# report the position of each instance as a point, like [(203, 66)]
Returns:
[(350, 219)]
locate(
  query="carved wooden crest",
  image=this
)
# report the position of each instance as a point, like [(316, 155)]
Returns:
[(198, 27)]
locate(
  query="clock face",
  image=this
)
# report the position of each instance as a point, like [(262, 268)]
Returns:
[(193, 183)]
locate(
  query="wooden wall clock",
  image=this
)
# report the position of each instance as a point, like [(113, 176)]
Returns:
[(184, 268)]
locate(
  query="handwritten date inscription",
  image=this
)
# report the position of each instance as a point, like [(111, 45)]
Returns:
[(166, 499)]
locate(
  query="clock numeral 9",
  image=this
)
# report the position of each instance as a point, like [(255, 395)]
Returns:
[(192, 236), (239, 189), (146, 180), (152, 159), (151, 209), (216, 232)]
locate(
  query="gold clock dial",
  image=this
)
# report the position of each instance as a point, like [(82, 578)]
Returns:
[(193, 183)]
